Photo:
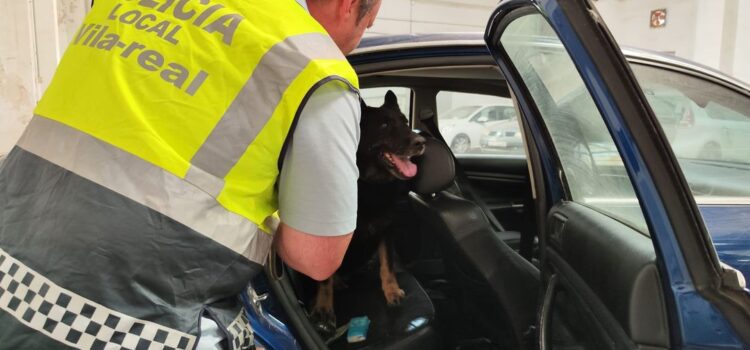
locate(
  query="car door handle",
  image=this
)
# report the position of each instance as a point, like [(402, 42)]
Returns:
[(557, 227)]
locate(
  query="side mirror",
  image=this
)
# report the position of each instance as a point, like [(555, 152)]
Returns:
[(482, 119)]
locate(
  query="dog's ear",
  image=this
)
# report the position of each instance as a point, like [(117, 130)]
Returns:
[(391, 101)]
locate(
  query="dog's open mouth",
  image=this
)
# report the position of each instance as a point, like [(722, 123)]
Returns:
[(401, 166)]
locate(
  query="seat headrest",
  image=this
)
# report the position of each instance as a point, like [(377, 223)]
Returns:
[(437, 169)]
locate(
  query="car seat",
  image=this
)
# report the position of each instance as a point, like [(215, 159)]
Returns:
[(500, 285)]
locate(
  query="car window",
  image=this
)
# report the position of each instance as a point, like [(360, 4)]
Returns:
[(591, 164), (708, 127), (460, 112), (375, 96), (479, 125)]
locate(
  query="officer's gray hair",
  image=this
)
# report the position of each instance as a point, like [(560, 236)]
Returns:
[(364, 7)]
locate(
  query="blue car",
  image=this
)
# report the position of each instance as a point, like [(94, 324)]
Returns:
[(622, 223)]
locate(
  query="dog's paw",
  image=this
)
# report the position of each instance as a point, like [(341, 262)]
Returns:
[(393, 294), (324, 322)]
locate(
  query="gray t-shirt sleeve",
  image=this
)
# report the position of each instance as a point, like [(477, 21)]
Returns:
[(318, 180)]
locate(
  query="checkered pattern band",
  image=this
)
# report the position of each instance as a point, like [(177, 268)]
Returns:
[(242, 334), (74, 320)]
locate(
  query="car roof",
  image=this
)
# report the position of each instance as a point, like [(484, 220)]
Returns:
[(382, 43)]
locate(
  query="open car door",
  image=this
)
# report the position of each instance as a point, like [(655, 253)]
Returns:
[(626, 259)]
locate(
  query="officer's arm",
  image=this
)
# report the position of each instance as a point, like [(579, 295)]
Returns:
[(315, 256), (318, 183)]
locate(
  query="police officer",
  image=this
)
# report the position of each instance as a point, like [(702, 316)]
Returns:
[(138, 202)]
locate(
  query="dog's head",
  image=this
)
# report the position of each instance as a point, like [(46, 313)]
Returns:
[(387, 143)]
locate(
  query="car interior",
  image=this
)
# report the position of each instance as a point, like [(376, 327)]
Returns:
[(486, 255)]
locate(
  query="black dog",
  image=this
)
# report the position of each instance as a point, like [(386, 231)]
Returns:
[(386, 146)]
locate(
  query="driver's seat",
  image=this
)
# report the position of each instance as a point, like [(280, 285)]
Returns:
[(476, 258)]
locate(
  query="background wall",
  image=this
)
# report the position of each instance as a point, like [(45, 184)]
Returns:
[(706, 31), (35, 33), (629, 23), (429, 16)]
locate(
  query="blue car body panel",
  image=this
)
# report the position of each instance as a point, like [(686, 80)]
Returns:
[(730, 231), (269, 331)]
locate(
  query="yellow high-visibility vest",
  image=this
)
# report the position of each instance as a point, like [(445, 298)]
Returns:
[(188, 104)]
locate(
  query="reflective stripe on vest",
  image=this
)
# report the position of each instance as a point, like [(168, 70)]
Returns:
[(144, 183), (193, 101)]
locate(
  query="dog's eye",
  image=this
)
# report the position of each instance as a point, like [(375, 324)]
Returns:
[(384, 125)]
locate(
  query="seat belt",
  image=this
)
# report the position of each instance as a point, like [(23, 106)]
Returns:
[(427, 117)]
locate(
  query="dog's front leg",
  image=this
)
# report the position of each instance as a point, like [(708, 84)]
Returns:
[(393, 293), (323, 317)]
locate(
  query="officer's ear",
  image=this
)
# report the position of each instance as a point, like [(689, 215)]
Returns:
[(349, 7)]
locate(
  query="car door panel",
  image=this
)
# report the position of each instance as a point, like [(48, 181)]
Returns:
[(680, 264), (620, 293)]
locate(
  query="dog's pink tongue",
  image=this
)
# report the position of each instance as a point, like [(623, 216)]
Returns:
[(405, 166)]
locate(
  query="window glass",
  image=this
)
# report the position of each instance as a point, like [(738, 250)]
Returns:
[(708, 127), (374, 97), (590, 161), (476, 124)]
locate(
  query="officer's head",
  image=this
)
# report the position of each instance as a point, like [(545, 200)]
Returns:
[(345, 20)]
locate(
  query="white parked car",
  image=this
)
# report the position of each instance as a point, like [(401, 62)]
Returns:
[(696, 126), (708, 132), (504, 135), (463, 127)]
